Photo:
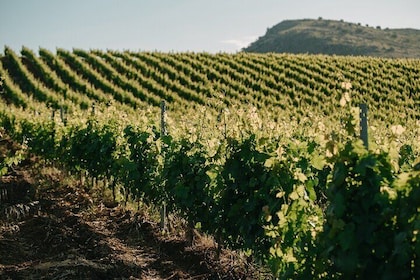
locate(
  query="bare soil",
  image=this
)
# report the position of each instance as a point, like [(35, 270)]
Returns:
[(52, 227)]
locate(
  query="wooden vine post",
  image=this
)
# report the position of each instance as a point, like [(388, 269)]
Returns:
[(364, 124), (163, 132)]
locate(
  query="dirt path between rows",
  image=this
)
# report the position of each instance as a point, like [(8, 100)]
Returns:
[(62, 232)]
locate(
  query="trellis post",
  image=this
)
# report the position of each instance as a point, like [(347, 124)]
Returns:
[(163, 118), (163, 215), (364, 124)]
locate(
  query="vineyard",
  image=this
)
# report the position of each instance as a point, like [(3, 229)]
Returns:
[(261, 151)]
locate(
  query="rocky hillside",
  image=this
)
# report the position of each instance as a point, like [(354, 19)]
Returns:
[(337, 37)]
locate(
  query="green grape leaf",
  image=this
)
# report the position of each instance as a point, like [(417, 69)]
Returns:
[(310, 184), (294, 195), (318, 162), (3, 171), (212, 174), (301, 177)]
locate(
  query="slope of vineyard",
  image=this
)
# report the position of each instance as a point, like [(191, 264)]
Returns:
[(276, 84), (261, 151)]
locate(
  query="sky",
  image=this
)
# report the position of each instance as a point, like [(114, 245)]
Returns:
[(178, 25)]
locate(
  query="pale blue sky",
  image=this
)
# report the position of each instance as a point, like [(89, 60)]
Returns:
[(178, 25)]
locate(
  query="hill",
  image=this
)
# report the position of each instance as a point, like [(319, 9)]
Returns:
[(337, 37)]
